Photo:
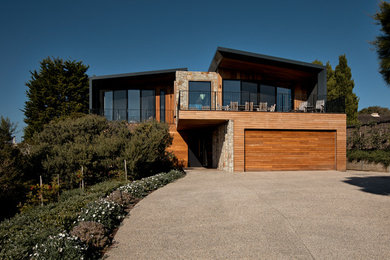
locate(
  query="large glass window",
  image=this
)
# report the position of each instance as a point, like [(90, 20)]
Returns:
[(120, 105), (248, 92), (162, 106), (267, 94), (231, 91), (199, 95), (284, 102), (108, 104), (134, 105), (148, 104)]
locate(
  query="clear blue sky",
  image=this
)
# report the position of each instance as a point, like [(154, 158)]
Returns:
[(137, 35)]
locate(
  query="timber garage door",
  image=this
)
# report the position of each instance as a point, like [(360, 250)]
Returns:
[(267, 150)]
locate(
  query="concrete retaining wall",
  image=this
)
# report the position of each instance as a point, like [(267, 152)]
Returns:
[(367, 166)]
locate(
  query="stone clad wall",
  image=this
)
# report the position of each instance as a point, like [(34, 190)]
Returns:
[(223, 147), (181, 83)]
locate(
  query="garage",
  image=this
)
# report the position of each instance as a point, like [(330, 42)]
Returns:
[(272, 150)]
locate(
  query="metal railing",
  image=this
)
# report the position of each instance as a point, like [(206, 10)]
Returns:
[(135, 115), (250, 101)]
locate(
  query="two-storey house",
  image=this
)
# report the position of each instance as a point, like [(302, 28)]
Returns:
[(248, 112)]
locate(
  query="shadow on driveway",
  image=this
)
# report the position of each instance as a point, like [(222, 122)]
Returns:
[(379, 185)]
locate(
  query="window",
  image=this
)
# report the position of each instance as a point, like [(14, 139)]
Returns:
[(199, 95), (231, 91), (148, 104), (162, 106), (267, 94), (284, 101), (134, 105), (248, 92), (108, 105), (120, 105)]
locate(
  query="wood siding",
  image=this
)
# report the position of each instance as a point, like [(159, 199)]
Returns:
[(289, 150), (179, 146), (277, 121)]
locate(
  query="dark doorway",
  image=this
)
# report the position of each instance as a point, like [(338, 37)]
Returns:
[(200, 148)]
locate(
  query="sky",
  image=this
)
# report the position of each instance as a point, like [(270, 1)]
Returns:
[(138, 35)]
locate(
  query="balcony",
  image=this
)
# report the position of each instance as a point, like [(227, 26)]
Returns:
[(251, 101)]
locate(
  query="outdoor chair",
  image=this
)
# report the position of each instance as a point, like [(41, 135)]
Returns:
[(262, 106), (303, 106), (320, 105), (234, 106), (272, 108), (248, 106)]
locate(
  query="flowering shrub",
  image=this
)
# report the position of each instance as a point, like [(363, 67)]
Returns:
[(27, 233), (61, 246), (122, 198), (102, 211), (141, 188), (91, 233)]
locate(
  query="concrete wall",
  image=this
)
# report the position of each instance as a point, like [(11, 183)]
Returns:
[(367, 166), (222, 145)]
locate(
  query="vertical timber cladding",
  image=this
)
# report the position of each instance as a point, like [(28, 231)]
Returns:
[(267, 150)]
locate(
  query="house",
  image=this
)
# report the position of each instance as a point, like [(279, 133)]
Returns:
[(248, 112)]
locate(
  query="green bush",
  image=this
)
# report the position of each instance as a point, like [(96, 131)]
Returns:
[(146, 151), (86, 148), (377, 156), (61, 246), (19, 234), (102, 211)]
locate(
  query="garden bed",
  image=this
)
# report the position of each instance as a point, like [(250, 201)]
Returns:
[(80, 225)]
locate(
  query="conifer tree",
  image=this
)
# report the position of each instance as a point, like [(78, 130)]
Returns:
[(340, 88), (382, 42), (58, 89), (344, 88)]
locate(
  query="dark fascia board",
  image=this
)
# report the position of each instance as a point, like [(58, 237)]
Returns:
[(250, 56), (135, 74)]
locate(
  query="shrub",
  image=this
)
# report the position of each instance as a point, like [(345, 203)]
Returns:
[(61, 246), (102, 211), (377, 156), (122, 198), (146, 151), (19, 234), (91, 233), (90, 143)]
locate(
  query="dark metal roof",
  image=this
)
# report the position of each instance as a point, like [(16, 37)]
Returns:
[(258, 58), (135, 74)]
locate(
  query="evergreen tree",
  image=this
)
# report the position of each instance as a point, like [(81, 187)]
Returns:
[(382, 42), (344, 88), (340, 89), (58, 89), (12, 164)]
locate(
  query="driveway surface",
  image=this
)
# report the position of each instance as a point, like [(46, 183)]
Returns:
[(211, 214)]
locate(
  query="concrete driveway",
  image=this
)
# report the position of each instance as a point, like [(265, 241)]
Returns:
[(211, 214)]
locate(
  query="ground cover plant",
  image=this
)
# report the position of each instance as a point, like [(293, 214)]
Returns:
[(79, 225)]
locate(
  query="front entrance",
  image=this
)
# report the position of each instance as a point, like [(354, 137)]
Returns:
[(200, 148)]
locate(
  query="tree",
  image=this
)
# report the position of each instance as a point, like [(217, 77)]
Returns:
[(58, 89), (382, 42), (375, 109), (340, 88), (12, 170), (344, 85)]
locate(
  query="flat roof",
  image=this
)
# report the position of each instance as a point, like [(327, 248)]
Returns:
[(259, 58), (135, 74)]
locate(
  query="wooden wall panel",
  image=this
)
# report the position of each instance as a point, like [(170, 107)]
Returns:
[(179, 146), (276, 120), (289, 150)]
